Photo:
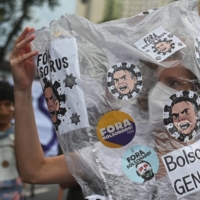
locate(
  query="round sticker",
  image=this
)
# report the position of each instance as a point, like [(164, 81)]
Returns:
[(181, 115), (116, 129), (124, 81), (140, 163)]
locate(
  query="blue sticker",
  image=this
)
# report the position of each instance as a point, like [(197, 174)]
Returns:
[(140, 163)]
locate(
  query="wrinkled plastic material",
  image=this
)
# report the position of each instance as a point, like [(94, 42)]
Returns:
[(102, 168)]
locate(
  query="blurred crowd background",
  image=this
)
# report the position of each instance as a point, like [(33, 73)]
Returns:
[(17, 14)]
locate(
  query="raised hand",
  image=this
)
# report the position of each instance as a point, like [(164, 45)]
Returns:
[(21, 60)]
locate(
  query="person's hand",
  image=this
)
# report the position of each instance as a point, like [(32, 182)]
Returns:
[(21, 60)]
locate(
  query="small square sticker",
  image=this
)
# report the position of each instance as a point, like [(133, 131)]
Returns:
[(160, 44)]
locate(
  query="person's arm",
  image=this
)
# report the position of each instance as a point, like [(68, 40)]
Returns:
[(33, 166)]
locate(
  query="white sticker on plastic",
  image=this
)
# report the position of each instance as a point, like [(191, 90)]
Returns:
[(62, 85), (182, 166), (160, 44)]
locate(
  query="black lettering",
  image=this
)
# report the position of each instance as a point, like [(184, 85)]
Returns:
[(44, 60), (65, 63), (154, 35), (151, 37), (196, 153), (39, 59), (52, 66), (169, 163), (178, 159), (142, 152), (186, 157), (46, 71), (137, 154), (133, 157), (191, 155), (186, 183), (180, 187), (41, 72), (129, 159), (145, 40), (58, 65), (194, 178), (149, 40)]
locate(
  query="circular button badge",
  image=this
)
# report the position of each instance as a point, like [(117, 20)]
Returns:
[(116, 129), (181, 115), (140, 163), (124, 81)]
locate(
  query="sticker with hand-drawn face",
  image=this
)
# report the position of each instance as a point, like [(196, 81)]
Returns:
[(197, 50), (140, 163), (159, 44), (124, 81), (116, 129), (163, 46), (181, 115)]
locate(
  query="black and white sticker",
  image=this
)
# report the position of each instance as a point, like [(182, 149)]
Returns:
[(160, 44), (181, 115), (124, 80)]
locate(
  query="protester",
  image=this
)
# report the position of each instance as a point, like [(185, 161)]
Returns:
[(171, 76), (11, 186)]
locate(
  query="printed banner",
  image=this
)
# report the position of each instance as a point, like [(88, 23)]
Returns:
[(61, 83), (182, 166)]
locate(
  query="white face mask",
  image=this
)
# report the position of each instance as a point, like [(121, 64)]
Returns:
[(158, 96)]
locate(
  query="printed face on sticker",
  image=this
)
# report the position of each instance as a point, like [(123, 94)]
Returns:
[(181, 116), (52, 103), (163, 46), (124, 81), (53, 99), (144, 170), (184, 116)]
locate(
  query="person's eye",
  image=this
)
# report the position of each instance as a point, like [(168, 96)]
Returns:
[(7, 104), (173, 83), (187, 111)]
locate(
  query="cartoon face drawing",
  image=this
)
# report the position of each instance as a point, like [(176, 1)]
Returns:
[(52, 103), (124, 81), (53, 100), (144, 170), (163, 46), (184, 116)]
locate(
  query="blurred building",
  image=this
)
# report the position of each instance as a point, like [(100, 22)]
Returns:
[(98, 11), (134, 7), (93, 10)]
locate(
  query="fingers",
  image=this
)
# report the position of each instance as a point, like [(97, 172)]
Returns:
[(26, 31), (24, 44), (23, 58)]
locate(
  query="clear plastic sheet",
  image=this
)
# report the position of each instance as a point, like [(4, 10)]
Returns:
[(123, 97)]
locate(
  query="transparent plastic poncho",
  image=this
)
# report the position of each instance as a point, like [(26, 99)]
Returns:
[(124, 100)]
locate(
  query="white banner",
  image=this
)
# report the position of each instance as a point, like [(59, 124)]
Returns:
[(182, 166)]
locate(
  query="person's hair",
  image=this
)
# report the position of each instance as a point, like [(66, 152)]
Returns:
[(6, 91), (48, 84)]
